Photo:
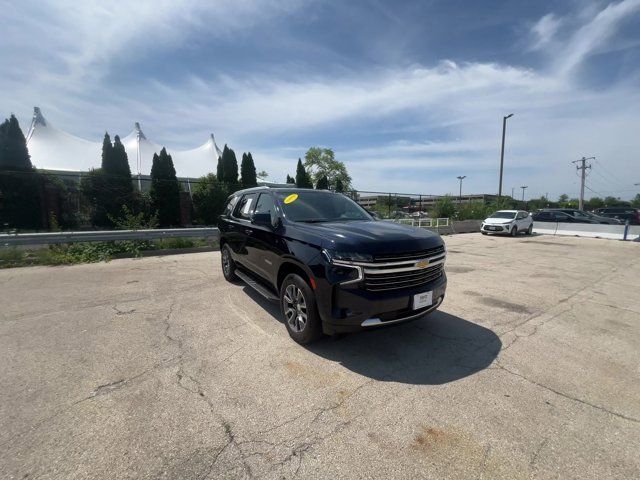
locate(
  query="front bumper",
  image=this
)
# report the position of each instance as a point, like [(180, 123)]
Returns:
[(352, 309), (495, 228)]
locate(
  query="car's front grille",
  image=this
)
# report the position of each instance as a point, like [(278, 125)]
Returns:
[(400, 257), (383, 279)]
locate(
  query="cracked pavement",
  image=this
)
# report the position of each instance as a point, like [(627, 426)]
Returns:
[(158, 368)]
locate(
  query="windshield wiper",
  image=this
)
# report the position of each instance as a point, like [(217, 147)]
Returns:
[(314, 220)]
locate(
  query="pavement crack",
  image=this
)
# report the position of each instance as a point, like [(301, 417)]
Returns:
[(566, 395), (536, 454)]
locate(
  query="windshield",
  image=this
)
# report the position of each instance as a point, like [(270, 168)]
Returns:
[(509, 215), (311, 206)]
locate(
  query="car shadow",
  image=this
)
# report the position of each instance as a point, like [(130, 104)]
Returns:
[(436, 349), (432, 350)]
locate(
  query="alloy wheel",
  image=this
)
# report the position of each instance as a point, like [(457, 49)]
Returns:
[(295, 308)]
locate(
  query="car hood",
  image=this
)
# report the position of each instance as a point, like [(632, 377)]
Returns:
[(497, 221), (374, 237)]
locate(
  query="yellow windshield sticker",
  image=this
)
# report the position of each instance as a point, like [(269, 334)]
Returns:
[(291, 198)]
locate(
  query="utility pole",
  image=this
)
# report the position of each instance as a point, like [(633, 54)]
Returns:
[(523, 189), (583, 167), (504, 127), (512, 194), (460, 196)]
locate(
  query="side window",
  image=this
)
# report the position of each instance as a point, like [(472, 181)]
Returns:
[(265, 204), (544, 217), (229, 206), (522, 215), (245, 207)]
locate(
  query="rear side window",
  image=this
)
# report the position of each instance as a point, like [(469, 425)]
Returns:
[(245, 206), (229, 206), (544, 217)]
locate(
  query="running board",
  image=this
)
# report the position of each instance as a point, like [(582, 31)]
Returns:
[(256, 286)]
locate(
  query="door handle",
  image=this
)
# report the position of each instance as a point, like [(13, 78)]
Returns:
[(248, 231)]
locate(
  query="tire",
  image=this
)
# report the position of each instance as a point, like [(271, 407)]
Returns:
[(530, 229), (514, 231), (484, 233), (228, 265), (298, 306)]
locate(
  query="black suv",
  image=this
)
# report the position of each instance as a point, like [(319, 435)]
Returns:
[(622, 214), (332, 266), (578, 216)]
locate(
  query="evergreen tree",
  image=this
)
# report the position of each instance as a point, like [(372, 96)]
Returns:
[(165, 189), (248, 171), (107, 152), (13, 147), (229, 167), (290, 179), (109, 188), (21, 186), (339, 186), (302, 178), (219, 170), (120, 160), (323, 183)]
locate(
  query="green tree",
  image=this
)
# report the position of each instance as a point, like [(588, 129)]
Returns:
[(472, 211), (321, 162), (636, 201), (14, 154), (339, 186), (303, 180), (219, 169), (290, 179), (229, 167), (593, 203), (209, 196), (323, 183), (564, 198), (20, 185), (165, 189), (248, 171), (109, 188), (444, 207)]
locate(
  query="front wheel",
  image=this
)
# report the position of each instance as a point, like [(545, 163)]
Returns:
[(298, 304), (228, 265), (514, 231)]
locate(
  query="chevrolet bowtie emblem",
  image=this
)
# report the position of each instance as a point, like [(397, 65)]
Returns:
[(422, 264)]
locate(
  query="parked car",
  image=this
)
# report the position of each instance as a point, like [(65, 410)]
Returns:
[(510, 222), (332, 267), (621, 213), (581, 214), (551, 215)]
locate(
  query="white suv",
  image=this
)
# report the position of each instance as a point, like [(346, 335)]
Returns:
[(511, 222)]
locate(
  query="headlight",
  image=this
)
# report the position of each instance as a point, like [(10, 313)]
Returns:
[(348, 256)]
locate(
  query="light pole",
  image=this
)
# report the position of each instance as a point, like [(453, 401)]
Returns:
[(462, 177), (523, 189), (504, 128)]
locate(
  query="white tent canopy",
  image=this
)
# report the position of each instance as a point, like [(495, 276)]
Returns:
[(51, 148)]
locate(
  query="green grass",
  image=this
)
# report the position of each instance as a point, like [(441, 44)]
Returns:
[(70, 254)]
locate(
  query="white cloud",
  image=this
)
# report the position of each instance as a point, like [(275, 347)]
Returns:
[(545, 30), (592, 36), (557, 119)]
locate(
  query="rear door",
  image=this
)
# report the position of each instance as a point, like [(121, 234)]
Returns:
[(240, 227)]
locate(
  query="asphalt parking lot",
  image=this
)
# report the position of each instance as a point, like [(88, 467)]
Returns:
[(158, 368)]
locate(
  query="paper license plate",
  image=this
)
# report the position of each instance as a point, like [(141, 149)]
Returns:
[(422, 300)]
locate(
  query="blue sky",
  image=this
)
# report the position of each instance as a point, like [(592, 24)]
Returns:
[(409, 94)]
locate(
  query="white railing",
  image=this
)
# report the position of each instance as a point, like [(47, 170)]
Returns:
[(424, 222)]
